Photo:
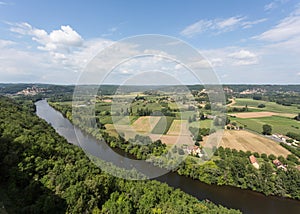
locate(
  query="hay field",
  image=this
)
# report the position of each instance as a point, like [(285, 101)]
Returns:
[(179, 127), (247, 141), (145, 124), (253, 114)]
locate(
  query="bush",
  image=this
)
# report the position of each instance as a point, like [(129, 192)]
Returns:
[(261, 105)]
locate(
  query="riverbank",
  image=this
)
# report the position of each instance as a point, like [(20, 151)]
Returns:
[(247, 201)]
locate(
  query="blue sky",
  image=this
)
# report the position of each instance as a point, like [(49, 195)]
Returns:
[(245, 41)]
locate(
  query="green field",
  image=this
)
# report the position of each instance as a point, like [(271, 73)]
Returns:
[(184, 115), (280, 125), (203, 124), (270, 106), (162, 127)]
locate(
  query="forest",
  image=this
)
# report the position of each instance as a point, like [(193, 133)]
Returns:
[(42, 173)]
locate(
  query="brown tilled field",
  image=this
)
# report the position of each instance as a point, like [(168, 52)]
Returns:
[(247, 141)]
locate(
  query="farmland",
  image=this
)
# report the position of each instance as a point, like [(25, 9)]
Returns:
[(163, 125), (202, 124), (270, 106), (253, 114), (168, 128), (145, 124), (247, 141), (279, 124), (178, 127)]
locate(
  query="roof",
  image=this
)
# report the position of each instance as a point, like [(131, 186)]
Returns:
[(252, 159), (277, 162)]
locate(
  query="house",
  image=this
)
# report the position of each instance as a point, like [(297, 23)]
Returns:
[(253, 161), (279, 165), (194, 150)]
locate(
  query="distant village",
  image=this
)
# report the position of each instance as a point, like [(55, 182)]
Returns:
[(31, 91)]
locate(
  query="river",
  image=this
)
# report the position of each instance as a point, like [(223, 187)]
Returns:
[(245, 200)]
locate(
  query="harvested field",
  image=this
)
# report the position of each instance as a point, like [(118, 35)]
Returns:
[(145, 124), (179, 127), (142, 125), (254, 114), (173, 139), (247, 141)]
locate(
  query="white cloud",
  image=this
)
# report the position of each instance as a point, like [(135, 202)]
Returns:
[(218, 26), (230, 22), (196, 28), (231, 57), (249, 24), (244, 57), (5, 43), (58, 40), (286, 29), (270, 6), (64, 52), (274, 4), (286, 34)]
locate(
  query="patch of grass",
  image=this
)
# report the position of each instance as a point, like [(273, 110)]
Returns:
[(162, 127)]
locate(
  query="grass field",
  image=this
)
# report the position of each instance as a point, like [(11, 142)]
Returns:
[(126, 120), (270, 106), (280, 125), (202, 124), (184, 115), (163, 125), (247, 141)]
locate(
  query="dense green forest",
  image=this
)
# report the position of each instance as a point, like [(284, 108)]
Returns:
[(41, 173), (228, 167), (232, 167)]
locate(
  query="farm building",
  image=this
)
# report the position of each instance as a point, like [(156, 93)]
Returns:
[(253, 161)]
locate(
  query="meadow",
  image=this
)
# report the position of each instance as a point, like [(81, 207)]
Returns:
[(279, 124), (270, 106)]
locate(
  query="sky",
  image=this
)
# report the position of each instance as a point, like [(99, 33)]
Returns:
[(246, 41)]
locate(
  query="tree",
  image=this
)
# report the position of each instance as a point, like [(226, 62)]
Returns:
[(267, 129), (261, 105), (264, 156), (272, 157), (297, 117), (207, 106), (292, 158)]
